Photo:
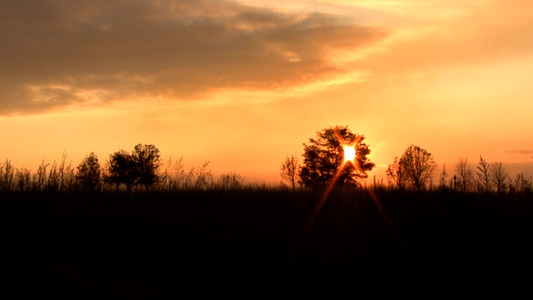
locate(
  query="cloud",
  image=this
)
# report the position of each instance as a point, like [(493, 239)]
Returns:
[(438, 34), (56, 53), (520, 151)]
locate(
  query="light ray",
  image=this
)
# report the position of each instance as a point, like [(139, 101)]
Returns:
[(320, 204), (330, 186), (328, 189)]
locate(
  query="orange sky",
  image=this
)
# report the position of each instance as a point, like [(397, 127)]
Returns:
[(243, 84)]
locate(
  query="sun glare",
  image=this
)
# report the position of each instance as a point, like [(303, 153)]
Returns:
[(349, 153)]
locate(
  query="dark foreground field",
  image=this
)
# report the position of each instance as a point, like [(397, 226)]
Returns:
[(251, 243)]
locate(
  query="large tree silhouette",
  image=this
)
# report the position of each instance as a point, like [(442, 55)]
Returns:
[(323, 158)]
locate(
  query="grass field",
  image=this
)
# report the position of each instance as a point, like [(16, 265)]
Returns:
[(260, 243)]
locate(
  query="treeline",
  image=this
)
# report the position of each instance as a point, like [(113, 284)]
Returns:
[(484, 177), (416, 169), (140, 170), (465, 177), (143, 170), (327, 162)]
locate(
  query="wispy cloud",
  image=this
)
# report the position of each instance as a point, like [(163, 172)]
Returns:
[(440, 34), (56, 53), (520, 151)]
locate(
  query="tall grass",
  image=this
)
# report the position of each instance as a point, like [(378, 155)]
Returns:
[(48, 178), (61, 177)]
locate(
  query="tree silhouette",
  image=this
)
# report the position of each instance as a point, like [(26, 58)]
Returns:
[(88, 175), (415, 167), (465, 174), (147, 162), (396, 174), (483, 174), (324, 158), (289, 171), (442, 178), (121, 169), (139, 167), (498, 176)]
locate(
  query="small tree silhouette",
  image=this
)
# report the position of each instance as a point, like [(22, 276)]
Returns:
[(483, 174), (324, 158), (289, 171), (88, 175), (415, 167), (498, 175), (396, 174), (465, 174), (442, 178), (419, 166)]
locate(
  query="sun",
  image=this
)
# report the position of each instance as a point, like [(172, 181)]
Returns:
[(349, 153)]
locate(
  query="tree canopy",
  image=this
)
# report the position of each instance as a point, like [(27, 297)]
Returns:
[(323, 159), (147, 160), (414, 168), (138, 167), (88, 174)]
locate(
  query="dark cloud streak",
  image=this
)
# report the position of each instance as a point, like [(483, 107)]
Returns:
[(56, 53)]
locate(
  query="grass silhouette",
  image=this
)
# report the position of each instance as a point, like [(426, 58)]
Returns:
[(245, 243)]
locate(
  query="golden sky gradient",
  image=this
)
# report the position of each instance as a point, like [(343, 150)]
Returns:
[(243, 84)]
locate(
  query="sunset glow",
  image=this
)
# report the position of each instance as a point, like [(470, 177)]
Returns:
[(190, 77), (221, 148)]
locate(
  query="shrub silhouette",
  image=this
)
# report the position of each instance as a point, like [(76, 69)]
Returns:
[(230, 181), (7, 175)]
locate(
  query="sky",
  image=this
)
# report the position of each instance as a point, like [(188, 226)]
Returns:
[(243, 84)]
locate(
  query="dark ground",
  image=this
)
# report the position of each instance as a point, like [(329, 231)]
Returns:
[(251, 243)]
